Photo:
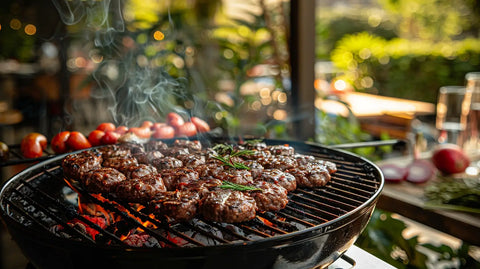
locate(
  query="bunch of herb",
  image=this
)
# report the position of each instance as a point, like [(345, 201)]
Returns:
[(238, 187), (461, 194), (225, 154)]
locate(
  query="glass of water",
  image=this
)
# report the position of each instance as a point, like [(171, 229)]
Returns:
[(453, 106), (472, 132)]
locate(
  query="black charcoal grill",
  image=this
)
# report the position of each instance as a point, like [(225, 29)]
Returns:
[(317, 226)]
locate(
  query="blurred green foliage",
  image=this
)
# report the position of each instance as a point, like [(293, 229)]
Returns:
[(410, 69), (383, 237), (403, 48)]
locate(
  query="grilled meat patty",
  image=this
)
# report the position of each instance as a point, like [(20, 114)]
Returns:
[(228, 206), (178, 205), (140, 189), (77, 165), (182, 180), (271, 197), (103, 180)]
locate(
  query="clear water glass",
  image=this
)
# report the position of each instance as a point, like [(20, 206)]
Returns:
[(453, 107), (472, 138)]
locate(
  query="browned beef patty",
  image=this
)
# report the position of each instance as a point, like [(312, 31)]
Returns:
[(120, 163), (231, 206), (311, 175), (279, 177), (77, 165), (103, 180), (138, 170), (177, 205), (176, 177), (167, 162), (140, 189), (148, 157), (272, 197)]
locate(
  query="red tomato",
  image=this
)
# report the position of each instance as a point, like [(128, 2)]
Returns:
[(147, 124), (110, 137), (158, 125), (187, 129), (95, 137), (175, 120), (106, 126), (31, 149), (33, 144), (77, 141), (202, 126), (141, 132), (164, 132), (59, 142), (122, 129)]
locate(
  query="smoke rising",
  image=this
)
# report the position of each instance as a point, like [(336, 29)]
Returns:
[(134, 90)]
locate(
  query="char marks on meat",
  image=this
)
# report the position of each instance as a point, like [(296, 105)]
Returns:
[(175, 177), (184, 179), (103, 180), (277, 176), (228, 206), (77, 165), (272, 197), (178, 205), (140, 189)]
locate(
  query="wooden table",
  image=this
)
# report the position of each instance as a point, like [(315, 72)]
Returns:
[(407, 199)]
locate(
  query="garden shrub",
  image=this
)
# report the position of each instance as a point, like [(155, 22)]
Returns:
[(412, 69)]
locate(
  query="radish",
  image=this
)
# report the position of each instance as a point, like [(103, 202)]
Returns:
[(450, 159)]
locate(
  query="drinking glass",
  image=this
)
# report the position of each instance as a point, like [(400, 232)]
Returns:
[(453, 106), (472, 137)]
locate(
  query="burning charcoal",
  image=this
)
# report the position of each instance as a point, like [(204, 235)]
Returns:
[(141, 240), (279, 177), (227, 206), (272, 197)]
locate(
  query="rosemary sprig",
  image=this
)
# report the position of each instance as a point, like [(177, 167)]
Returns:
[(238, 187), (229, 162), (226, 152)]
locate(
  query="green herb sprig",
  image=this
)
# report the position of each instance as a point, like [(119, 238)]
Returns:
[(226, 152), (238, 187)]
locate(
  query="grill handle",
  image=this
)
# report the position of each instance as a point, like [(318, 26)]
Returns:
[(390, 142)]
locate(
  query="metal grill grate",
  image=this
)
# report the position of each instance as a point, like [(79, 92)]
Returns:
[(40, 199)]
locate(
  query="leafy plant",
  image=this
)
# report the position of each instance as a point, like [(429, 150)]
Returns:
[(383, 238), (426, 65)]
